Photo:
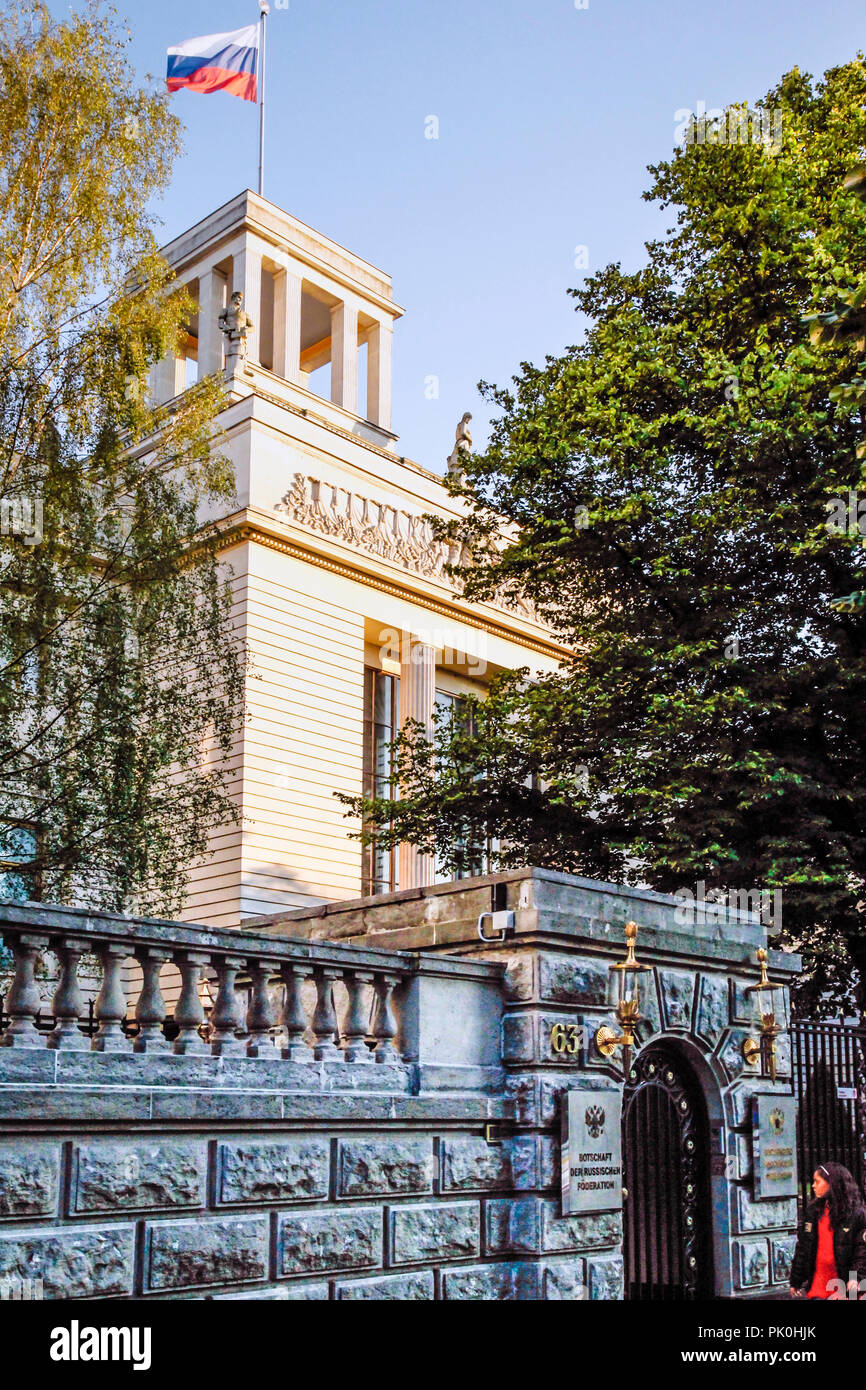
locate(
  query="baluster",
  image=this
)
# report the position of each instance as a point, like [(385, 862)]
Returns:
[(68, 1003), (111, 1000), (260, 1012), (357, 1018), (325, 1017), (150, 1009), (293, 1018), (188, 1011), (386, 1023), (22, 1002), (227, 1017)]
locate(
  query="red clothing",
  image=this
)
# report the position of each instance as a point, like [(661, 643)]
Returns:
[(825, 1261)]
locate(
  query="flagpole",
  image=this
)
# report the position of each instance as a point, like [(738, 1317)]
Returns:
[(265, 11)]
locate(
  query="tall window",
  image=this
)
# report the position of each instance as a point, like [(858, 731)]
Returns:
[(473, 860), (381, 724)]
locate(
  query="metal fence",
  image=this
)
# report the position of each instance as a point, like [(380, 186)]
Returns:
[(830, 1085)]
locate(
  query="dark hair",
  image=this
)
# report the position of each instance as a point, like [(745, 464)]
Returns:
[(844, 1197)]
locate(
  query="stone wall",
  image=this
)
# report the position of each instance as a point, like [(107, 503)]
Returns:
[(418, 1206), (279, 1164), (567, 932)]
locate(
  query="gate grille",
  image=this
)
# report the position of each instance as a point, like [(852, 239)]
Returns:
[(667, 1216), (829, 1057)]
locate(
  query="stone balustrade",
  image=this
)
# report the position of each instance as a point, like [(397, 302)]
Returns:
[(245, 974)]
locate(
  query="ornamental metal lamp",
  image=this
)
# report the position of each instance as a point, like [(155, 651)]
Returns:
[(769, 1005), (628, 1014)]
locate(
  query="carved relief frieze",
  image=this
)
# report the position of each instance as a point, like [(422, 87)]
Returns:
[(380, 528)]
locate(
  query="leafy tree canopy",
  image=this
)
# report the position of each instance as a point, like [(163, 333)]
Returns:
[(683, 482), (119, 680)]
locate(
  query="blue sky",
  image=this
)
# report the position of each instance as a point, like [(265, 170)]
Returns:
[(548, 115)]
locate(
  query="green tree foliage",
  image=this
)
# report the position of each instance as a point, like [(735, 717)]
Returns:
[(669, 484), (120, 683)]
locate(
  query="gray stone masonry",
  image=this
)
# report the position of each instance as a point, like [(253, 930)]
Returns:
[(400, 1141)]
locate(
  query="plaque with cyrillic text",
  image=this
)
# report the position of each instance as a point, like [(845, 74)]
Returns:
[(591, 1151), (774, 1139)]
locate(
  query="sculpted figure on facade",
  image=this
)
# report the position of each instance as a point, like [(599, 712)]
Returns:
[(462, 446), (236, 324)]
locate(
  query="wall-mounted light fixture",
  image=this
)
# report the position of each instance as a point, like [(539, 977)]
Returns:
[(769, 1002), (628, 1014)]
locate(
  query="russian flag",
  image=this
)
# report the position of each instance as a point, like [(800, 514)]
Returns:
[(217, 63)]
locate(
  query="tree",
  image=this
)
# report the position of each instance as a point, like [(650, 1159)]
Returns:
[(674, 485), (120, 681)]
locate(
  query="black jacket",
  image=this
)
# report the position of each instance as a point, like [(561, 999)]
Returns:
[(849, 1247)]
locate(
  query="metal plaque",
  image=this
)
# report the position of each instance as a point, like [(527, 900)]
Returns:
[(591, 1151), (774, 1135)]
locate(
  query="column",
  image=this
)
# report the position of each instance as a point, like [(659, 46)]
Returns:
[(344, 356), (168, 378), (247, 276), (379, 375), (287, 326), (417, 701), (211, 300)]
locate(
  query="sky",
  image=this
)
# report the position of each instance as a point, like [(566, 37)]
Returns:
[(546, 115)]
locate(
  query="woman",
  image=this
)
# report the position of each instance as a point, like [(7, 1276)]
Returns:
[(830, 1258)]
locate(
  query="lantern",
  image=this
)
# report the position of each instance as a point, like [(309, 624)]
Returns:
[(628, 1014), (769, 1010)]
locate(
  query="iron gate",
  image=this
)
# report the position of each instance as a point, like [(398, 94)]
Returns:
[(667, 1212), (830, 1085)]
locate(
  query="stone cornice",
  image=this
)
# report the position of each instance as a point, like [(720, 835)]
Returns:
[(258, 527)]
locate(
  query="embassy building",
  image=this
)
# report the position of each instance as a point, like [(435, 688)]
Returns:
[(339, 1078)]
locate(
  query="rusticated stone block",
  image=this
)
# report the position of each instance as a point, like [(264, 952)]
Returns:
[(532, 1225), (74, 1262), (473, 1165), (740, 1001), (782, 1257), (444, 1231), (605, 1278), (350, 1238), (713, 1008), (281, 1293), (368, 1167), (408, 1288), (493, 1283), (549, 1162), (678, 992), (738, 1103), (29, 1179), (127, 1177), (305, 1293), (565, 1279), (586, 1232), (293, 1170), (524, 1097), (573, 980), (518, 979), (518, 1038), (731, 1055), (188, 1254), (650, 1007), (751, 1262), (766, 1215)]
